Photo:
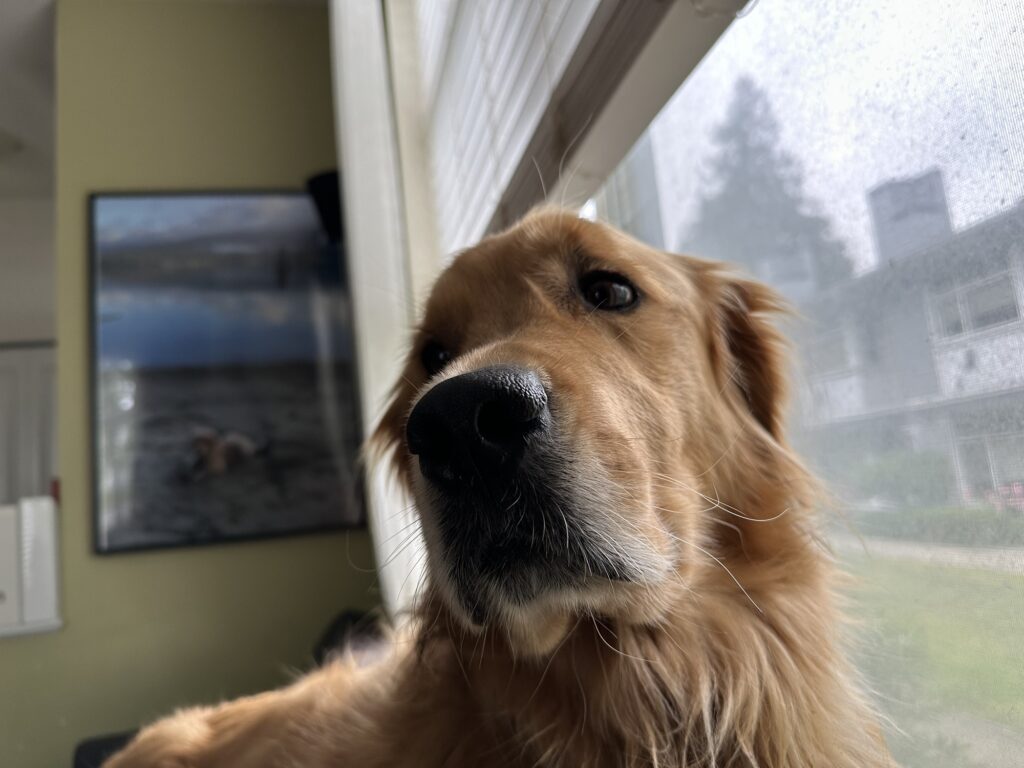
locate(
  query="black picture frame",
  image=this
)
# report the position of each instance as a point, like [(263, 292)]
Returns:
[(271, 480)]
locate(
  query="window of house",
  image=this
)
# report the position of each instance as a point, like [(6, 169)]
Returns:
[(855, 156), (947, 310), (991, 303), (976, 307)]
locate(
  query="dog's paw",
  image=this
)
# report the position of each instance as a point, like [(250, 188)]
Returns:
[(175, 742)]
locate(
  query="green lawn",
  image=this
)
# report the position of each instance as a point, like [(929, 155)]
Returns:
[(939, 640)]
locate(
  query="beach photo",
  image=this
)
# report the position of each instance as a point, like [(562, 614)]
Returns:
[(223, 371)]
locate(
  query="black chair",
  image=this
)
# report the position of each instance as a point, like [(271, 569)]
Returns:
[(350, 629), (92, 752)]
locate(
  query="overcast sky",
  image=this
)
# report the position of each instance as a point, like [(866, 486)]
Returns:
[(160, 217), (864, 92)]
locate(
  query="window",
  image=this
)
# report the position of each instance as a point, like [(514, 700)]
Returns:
[(992, 303), (854, 156), (976, 307), (947, 309), (505, 88)]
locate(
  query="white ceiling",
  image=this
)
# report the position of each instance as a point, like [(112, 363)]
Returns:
[(26, 97)]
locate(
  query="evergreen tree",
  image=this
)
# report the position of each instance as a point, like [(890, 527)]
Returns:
[(756, 214)]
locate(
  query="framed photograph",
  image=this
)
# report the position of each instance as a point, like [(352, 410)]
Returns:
[(223, 370)]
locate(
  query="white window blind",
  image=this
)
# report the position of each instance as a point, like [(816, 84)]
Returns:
[(489, 70)]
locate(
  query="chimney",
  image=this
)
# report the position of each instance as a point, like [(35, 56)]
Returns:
[(909, 214)]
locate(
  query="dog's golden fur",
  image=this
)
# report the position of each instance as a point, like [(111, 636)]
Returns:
[(726, 653)]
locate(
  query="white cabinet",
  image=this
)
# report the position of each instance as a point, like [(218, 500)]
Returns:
[(28, 567), (28, 517)]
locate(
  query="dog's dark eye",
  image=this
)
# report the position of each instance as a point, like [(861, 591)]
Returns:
[(607, 290), (434, 357)]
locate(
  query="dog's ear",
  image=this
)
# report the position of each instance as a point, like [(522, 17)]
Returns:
[(387, 443), (749, 353)]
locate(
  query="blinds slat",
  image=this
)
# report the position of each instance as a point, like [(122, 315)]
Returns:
[(491, 71)]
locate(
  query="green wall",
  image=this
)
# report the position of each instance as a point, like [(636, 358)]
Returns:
[(171, 94)]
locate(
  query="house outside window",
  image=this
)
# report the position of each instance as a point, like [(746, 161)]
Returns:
[(847, 156)]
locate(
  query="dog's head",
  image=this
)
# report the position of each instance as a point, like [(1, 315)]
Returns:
[(577, 413)]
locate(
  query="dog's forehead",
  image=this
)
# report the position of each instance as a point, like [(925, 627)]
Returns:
[(499, 275)]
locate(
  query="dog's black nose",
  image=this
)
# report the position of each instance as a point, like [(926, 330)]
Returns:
[(471, 427)]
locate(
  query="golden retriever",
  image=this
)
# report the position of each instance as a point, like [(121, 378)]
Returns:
[(622, 558)]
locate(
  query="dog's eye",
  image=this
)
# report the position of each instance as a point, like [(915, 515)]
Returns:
[(434, 357), (607, 290)]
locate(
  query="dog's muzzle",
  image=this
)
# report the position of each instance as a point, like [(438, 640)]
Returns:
[(487, 444), (514, 519)]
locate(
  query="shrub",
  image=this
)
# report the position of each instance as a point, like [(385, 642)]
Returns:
[(905, 478), (980, 527)]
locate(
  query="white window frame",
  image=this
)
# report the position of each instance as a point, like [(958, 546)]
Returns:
[(378, 260)]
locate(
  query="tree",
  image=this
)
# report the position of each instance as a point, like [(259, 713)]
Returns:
[(756, 214)]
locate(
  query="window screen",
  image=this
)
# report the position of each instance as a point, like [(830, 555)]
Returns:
[(866, 160)]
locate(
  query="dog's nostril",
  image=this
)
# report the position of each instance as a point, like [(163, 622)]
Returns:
[(500, 425), (428, 432)]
